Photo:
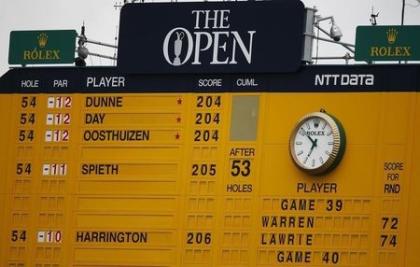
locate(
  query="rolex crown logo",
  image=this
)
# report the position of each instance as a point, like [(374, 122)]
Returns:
[(42, 40), (391, 35), (316, 123)]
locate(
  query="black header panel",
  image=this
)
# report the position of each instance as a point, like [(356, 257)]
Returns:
[(211, 37), (342, 78)]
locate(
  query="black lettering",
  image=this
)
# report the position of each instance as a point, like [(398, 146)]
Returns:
[(112, 237), (94, 118), (332, 257), (288, 221), (392, 188), (287, 239), (393, 166), (297, 204), (109, 101), (317, 188), (294, 256), (120, 237), (239, 188), (100, 169), (95, 236), (102, 237), (79, 237), (242, 152), (116, 135)]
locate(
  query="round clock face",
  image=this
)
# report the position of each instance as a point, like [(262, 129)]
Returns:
[(317, 143)]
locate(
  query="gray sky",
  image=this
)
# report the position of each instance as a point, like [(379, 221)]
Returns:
[(101, 20)]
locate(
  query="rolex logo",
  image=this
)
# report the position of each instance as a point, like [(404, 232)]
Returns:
[(42, 40), (391, 35), (316, 123)]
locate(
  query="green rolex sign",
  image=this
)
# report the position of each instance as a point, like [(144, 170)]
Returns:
[(387, 43), (42, 47)]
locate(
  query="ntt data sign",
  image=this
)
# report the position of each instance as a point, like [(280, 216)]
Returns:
[(213, 37)]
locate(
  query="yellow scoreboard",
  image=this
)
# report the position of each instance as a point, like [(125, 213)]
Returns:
[(103, 169)]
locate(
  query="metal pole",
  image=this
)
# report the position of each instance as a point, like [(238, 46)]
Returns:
[(345, 45), (330, 41), (402, 12), (332, 58), (97, 42), (102, 56), (402, 18)]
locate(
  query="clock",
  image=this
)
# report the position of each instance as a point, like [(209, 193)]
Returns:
[(317, 143)]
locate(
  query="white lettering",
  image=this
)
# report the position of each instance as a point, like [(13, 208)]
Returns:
[(319, 79), (216, 48), (60, 83), (210, 82), (198, 48), (111, 81), (29, 83), (246, 82), (224, 17), (344, 79), (246, 53), (197, 18), (219, 47)]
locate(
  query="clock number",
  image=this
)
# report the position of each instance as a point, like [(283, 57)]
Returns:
[(302, 132)]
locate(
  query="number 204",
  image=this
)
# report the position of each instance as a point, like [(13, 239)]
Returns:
[(206, 135)]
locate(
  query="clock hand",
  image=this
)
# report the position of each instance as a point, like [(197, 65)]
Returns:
[(312, 140), (314, 144)]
